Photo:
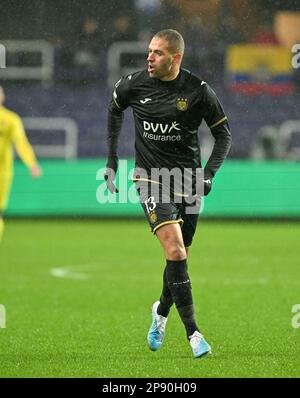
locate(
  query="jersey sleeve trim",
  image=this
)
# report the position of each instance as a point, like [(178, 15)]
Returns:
[(115, 101), (135, 179), (217, 123)]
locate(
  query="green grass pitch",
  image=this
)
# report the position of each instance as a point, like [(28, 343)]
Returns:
[(78, 296)]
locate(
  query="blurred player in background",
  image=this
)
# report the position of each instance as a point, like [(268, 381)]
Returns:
[(12, 134), (169, 104)]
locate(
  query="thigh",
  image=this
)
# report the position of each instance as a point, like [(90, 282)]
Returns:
[(170, 237)]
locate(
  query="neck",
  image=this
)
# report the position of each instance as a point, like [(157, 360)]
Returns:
[(171, 76)]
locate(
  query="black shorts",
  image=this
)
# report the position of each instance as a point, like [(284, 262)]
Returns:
[(161, 210)]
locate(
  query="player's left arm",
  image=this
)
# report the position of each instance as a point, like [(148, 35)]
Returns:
[(218, 124), (23, 147)]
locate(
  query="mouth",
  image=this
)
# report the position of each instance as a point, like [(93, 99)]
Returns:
[(150, 68)]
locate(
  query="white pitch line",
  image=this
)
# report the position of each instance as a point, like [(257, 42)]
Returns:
[(68, 273)]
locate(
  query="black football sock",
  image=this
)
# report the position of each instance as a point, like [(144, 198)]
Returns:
[(181, 290), (166, 300)]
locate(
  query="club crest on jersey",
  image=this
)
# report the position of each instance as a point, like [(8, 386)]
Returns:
[(153, 217), (182, 104)]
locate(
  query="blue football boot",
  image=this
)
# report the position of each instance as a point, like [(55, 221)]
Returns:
[(199, 345), (157, 330)]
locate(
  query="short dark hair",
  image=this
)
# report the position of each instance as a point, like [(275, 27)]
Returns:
[(174, 38)]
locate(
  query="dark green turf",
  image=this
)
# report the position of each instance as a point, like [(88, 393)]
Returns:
[(245, 277)]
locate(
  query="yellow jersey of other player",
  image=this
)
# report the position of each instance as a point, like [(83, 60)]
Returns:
[(12, 135)]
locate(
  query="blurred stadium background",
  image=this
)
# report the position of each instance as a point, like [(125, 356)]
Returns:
[(62, 59)]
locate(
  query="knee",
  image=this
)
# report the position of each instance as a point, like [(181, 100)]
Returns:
[(175, 251), (170, 237)]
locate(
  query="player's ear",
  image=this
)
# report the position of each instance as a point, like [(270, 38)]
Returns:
[(177, 58)]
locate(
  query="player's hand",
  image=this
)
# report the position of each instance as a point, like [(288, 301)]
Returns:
[(36, 171), (109, 178), (110, 173), (207, 182)]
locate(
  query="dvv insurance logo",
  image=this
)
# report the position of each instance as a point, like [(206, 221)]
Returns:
[(2, 56)]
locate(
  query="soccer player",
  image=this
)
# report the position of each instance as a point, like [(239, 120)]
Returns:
[(12, 134), (169, 104)]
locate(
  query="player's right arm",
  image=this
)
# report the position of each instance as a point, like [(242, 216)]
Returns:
[(118, 104)]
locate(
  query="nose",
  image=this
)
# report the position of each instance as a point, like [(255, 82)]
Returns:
[(150, 57)]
